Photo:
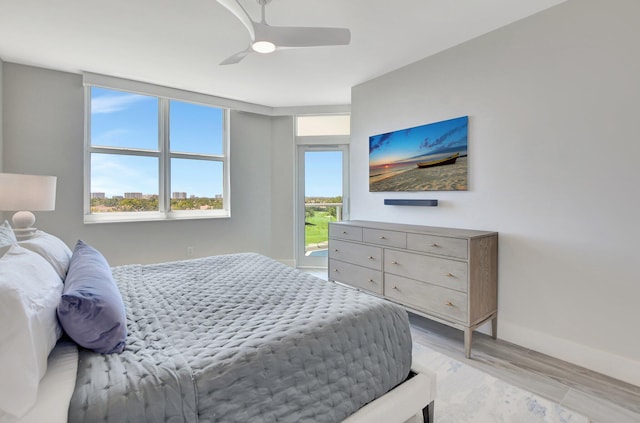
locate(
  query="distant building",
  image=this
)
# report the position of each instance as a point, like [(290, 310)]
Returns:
[(218, 196), (179, 195), (97, 195), (137, 195), (117, 197)]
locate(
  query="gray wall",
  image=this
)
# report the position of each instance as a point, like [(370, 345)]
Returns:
[(43, 130), (553, 161), (1, 130), (282, 186)]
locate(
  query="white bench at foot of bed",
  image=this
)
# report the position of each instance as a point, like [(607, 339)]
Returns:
[(402, 403)]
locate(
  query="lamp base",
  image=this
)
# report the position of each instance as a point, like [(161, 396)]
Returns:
[(24, 233), (22, 225), (23, 219)]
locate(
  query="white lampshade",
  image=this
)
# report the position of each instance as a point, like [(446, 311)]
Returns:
[(26, 193)]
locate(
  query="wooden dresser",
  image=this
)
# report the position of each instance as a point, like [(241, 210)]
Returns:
[(447, 275)]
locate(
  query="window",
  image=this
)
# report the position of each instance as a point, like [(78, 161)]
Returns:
[(331, 125), (151, 157)]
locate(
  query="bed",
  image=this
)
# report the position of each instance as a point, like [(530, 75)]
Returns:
[(239, 338)]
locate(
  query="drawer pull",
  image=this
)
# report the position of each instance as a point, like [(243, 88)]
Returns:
[(383, 237), (450, 275), (371, 280), (449, 304), (370, 257), (335, 270), (435, 245), (344, 232), (336, 250), (394, 262), (396, 288)]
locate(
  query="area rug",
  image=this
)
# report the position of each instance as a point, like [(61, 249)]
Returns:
[(465, 394)]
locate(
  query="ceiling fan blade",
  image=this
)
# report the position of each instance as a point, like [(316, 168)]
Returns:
[(232, 60), (236, 8), (293, 36)]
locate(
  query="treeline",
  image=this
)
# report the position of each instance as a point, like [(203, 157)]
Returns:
[(337, 199), (331, 211), (106, 205)]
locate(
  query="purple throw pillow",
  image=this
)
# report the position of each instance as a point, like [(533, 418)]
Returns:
[(91, 310)]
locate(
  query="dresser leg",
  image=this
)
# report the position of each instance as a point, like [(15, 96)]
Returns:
[(468, 332), (427, 413), (494, 327)]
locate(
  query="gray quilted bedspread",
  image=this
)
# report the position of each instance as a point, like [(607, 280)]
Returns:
[(242, 338)]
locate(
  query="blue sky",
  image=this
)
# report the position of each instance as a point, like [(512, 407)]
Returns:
[(323, 173), (120, 119), (419, 141)]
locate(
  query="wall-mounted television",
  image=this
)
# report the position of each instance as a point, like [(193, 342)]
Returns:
[(431, 157)]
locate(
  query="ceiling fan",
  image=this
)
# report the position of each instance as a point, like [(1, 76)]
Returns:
[(266, 38)]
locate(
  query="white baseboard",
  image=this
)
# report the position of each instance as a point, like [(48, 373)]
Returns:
[(288, 262), (615, 366)]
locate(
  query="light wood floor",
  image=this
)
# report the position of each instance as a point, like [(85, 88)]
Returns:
[(600, 398)]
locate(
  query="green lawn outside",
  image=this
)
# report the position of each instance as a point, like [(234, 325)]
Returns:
[(317, 228)]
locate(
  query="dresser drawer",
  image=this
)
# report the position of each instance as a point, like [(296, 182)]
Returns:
[(357, 276), (385, 238), (435, 270), (353, 233), (428, 298), (444, 246), (362, 255)]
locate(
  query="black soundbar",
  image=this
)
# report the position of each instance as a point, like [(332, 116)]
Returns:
[(392, 202)]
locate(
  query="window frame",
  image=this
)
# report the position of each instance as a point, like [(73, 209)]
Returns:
[(163, 154)]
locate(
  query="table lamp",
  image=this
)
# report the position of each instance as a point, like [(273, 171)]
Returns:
[(24, 194)]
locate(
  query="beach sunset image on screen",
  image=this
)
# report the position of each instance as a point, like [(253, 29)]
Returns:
[(431, 157)]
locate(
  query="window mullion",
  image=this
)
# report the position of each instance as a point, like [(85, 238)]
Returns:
[(164, 202), (124, 151), (194, 156)]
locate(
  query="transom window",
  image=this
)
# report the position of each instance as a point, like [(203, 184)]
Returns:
[(153, 157)]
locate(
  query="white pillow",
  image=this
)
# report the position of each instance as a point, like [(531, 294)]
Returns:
[(7, 237), (52, 249), (30, 290)]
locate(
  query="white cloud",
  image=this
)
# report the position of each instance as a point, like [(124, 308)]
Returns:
[(109, 137), (114, 103)]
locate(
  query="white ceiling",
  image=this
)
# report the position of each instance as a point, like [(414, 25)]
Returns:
[(179, 43)]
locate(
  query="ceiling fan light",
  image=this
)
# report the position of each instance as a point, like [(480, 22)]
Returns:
[(263, 47)]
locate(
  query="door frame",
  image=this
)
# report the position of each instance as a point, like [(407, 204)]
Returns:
[(303, 260)]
